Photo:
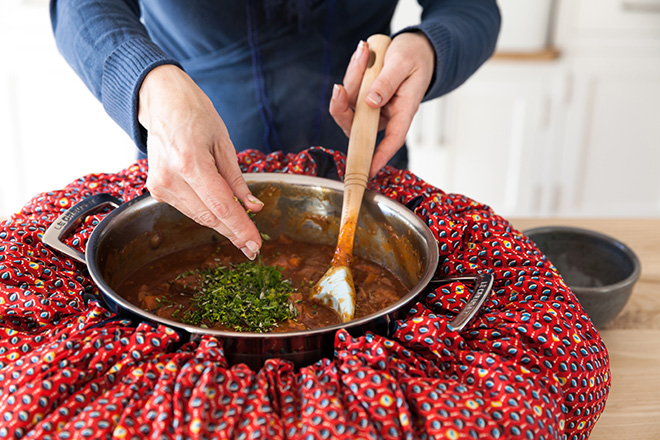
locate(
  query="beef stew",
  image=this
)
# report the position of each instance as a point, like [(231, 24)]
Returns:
[(167, 287)]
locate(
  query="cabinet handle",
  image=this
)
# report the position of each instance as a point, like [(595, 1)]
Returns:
[(641, 6)]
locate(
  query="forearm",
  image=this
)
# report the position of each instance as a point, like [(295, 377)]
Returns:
[(463, 34), (107, 46)]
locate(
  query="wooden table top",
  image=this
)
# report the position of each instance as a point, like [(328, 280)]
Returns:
[(633, 338)]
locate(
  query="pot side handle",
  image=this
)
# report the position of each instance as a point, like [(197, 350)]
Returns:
[(71, 218), (482, 288)]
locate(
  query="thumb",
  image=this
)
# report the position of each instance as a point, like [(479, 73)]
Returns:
[(382, 89), (386, 83)]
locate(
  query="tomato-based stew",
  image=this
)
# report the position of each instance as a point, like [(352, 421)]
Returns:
[(187, 286)]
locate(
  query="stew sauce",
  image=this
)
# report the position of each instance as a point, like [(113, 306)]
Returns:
[(159, 288)]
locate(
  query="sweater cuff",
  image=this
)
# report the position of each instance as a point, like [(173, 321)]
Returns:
[(440, 39), (123, 73)]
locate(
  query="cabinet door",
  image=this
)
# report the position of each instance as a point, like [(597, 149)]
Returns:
[(490, 139), (613, 139)]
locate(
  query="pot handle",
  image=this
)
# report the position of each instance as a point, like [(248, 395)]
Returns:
[(71, 218), (482, 288)]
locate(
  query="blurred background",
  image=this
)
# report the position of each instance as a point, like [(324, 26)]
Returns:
[(564, 120)]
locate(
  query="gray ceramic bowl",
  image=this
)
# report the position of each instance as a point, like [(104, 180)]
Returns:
[(600, 270)]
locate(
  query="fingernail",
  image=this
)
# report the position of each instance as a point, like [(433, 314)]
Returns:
[(360, 48), (374, 97), (251, 249), (335, 91), (254, 200), (248, 253), (254, 247)]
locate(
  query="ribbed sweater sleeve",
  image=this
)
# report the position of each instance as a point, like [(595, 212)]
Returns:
[(463, 34), (107, 46)]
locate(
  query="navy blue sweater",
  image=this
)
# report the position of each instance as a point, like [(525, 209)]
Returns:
[(267, 67)]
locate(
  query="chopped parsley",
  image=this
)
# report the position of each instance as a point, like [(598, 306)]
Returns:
[(247, 297)]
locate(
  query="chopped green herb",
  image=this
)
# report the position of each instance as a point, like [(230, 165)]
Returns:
[(247, 296), (249, 211)]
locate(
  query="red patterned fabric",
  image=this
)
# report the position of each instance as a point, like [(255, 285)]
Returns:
[(530, 366)]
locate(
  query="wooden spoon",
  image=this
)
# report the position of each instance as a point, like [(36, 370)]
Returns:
[(336, 288)]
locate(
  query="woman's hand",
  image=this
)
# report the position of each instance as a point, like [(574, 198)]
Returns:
[(192, 161), (398, 90)]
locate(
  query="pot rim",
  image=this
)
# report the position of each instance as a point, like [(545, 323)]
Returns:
[(300, 179)]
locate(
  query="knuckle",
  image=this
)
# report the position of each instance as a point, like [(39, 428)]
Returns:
[(206, 218), (219, 209), (402, 60), (339, 114), (156, 186), (387, 86), (156, 195), (186, 167), (236, 181)]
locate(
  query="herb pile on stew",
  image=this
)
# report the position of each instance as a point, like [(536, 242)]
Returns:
[(218, 288), (248, 296)]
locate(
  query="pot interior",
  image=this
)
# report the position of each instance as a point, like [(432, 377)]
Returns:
[(303, 207)]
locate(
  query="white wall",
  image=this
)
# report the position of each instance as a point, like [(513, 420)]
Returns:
[(52, 130)]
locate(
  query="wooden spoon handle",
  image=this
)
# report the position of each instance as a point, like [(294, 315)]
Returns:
[(361, 144), (364, 129)]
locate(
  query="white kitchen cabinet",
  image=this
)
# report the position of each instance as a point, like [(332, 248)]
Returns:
[(576, 136), (613, 140), (612, 136), (629, 21), (493, 139)]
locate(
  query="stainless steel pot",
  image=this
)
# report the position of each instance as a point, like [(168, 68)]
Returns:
[(307, 208)]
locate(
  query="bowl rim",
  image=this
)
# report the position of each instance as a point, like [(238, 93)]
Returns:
[(627, 251)]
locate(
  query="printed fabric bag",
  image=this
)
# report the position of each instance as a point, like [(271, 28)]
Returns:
[(530, 365)]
